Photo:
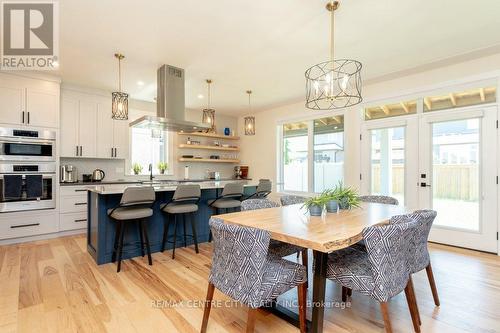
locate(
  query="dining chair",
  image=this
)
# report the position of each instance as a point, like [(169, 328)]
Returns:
[(288, 200), (135, 206), (243, 269), (230, 199), (381, 271), (280, 249), (384, 199)]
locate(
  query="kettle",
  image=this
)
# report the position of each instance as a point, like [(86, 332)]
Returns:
[(98, 175)]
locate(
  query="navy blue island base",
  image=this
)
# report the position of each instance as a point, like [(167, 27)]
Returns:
[(101, 228)]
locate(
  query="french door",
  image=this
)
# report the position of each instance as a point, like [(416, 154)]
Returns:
[(458, 170), (441, 160)]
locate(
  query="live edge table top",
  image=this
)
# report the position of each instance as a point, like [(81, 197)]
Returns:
[(333, 231)]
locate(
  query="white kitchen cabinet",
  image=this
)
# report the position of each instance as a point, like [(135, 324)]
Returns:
[(41, 108), (112, 135), (73, 207), (31, 102), (21, 224), (97, 134)]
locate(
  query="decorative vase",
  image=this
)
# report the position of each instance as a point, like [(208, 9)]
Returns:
[(344, 204), (227, 131), (315, 210), (332, 206), (162, 172)]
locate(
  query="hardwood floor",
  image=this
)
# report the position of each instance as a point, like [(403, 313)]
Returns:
[(55, 286)]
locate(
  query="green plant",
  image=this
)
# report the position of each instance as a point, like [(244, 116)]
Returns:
[(137, 168), (315, 201), (162, 166), (347, 197)]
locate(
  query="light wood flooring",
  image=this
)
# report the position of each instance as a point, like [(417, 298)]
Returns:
[(55, 286)]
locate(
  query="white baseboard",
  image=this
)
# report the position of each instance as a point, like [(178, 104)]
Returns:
[(42, 237)]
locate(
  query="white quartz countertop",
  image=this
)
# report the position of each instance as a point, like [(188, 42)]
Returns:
[(120, 188)]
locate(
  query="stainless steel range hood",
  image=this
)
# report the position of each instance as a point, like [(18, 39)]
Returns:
[(170, 104)]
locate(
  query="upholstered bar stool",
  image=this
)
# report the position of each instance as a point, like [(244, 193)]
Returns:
[(229, 200), (135, 206), (264, 188), (184, 205)]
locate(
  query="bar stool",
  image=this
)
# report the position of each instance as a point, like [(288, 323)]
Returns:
[(135, 206), (230, 199), (264, 188), (184, 204)]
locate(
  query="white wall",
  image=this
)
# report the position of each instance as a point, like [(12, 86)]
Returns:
[(259, 152)]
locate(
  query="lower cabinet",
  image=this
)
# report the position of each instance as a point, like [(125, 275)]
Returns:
[(73, 208), (21, 224)]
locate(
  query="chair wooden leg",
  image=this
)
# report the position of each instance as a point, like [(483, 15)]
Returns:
[(385, 313), (411, 307), (117, 238), (349, 292), (305, 262), (193, 229), (208, 306), (344, 294), (430, 276), (415, 304), (120, 247), (302, 298), (146, 238), (252, 313)]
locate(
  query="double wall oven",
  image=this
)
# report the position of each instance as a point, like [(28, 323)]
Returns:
[(27, 169)]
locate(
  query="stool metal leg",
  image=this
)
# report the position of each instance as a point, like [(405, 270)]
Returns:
[(141, 238), (175, 235), (184, 228), (120, 246), (117, 238), (148, 249), (166, 225), (193, 227)]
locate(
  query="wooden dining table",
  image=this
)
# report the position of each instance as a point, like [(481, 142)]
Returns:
[(323, 234)]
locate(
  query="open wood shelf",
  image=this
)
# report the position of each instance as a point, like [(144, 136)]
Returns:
[(186, 146), (207, 160), (211, 135)]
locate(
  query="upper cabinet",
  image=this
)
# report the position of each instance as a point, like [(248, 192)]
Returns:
[(87, 129), (29, 102)]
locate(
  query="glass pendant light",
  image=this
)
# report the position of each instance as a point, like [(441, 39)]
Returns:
[(209, 113), (250, 120), (333, 84), (119, 102)]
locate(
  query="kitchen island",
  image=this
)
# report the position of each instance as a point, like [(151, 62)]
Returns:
[(101, 228)]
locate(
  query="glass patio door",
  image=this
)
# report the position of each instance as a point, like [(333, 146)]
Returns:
[(457, 176)]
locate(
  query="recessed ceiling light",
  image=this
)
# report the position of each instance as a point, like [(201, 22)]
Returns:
[(140, 83), (200, 96)]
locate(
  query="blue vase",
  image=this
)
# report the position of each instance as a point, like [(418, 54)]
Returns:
[(227, 131), (315, 210), (332, 206)]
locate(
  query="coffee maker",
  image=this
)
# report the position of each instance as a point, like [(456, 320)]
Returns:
[(241, 172), (69, 174)]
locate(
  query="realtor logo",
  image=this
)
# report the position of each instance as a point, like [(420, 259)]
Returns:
[(29, 35)]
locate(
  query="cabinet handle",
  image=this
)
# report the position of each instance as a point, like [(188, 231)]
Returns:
[(80, 203), (81, 151), (23, 117), (28, 117), (24, 225), (116, 152), (80, 190), (81, 220), (112, 152), (76, 150)]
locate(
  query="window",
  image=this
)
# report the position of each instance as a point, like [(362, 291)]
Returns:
[(391, 110), (312, 154), (148, 146), (295, 157), (328, 152), (460, 99)]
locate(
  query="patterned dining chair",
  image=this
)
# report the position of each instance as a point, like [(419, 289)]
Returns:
[(419, 252), (280, 249), (288, 200), (381, 271), (243, 269), (383, 199)]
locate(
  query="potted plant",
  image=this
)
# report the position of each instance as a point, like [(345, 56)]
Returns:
[(346, 197), (315, 205), (331, 202), (137, 168), (162, 166)]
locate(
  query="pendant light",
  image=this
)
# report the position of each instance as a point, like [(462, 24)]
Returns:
[(209, 113), (250, 120), (333, 84), (119, 104)]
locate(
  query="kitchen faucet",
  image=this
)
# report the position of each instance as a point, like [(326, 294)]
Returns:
[(151, 172)]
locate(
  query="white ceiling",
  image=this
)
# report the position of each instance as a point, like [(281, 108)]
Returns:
[(263, 45)]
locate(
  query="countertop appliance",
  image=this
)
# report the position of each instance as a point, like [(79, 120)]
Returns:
[(170, 105), (241, 172), (69, 174), (27, 145), (27, 186), (214, 175), (98, 175)]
